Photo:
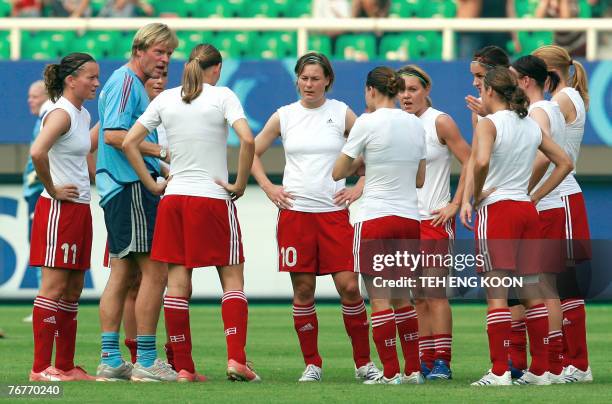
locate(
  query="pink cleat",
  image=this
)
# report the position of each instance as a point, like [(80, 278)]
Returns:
[(50, 374), (242, 373), (185, 376), (79, 374)]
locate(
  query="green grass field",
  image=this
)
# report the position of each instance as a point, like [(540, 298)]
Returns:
[(273, 348)]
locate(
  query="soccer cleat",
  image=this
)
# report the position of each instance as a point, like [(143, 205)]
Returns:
[(575, 375), (158, 372), (79, 374), (529, 378), (312, 373), (110, 374), (369, 371), (241, 373), (397, 379), (424, 369), (50, 374), (440, 371), (413, 378), (556, 379), (515, 373), (491, 379), (185, 376)]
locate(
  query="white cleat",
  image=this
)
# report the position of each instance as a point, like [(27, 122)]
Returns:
[(158, 372), (413, 378), (556, 379), (312, 373), (575, 375), (491, 379), (110, 374), (397, 379), (369, 371), (530, 379)]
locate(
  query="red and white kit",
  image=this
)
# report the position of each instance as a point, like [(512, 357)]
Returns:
[(197, 224), (507, 218), (315, 235), (62, 230)]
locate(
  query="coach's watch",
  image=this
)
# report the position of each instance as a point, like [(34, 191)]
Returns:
[(163, 153)]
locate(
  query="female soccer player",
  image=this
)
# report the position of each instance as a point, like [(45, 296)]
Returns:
[(393, 144), (62, 229), (532, 78), (198, 197), (504, 148), (572, 95), (313, 232), (437, 212)]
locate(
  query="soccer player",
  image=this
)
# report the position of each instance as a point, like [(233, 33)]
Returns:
[(62, 226), (393, 145), (314, 233), (532, 77), (39, 104), (503, 151), (130, 209), (572, 95), (437, 212), (198, 197)]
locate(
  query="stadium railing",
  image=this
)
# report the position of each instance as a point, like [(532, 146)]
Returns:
[(304, 26)]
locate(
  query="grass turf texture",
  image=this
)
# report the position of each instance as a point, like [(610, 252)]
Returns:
[(273, 348)]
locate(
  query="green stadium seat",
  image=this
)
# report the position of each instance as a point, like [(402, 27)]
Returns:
[(96, 6), (5, 45), (320, 43), (221, 8), (299, 9), (234, 44), (530, 41), (262, 8), (5, 8), (426, 45), (188, 40), (356, 47), (99, 44), (405, 9), (123, 46), (45, 45), (183, 8), (275, 45), (395, 47), (438, 9)]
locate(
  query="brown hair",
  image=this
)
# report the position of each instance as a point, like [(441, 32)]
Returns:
[(151, 34), (534, 67), (503, 82), (55, 74), (385, 80), (201, 58), (491, 56), (316, 58), (558, 58), (416, 71)]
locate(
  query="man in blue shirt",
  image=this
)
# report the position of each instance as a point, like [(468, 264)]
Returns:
[(130, 210)]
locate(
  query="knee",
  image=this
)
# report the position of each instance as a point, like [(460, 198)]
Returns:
[(350, 291), (303, 294), (54, 290)]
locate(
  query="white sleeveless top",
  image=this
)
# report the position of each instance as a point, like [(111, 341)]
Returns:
[(574, 132), (557, 132), (68, 155), (514, 151), (435, 193), (312, 139)]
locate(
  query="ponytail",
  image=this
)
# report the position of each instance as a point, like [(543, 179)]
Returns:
[(504, 83), (54, 84), (553, 81), (580, 82), (386, 81), (518, 102), (201, 58), (55, 74)]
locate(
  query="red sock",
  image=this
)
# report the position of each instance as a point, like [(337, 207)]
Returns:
[(307, 328), (518, 344), (235, 313), (443, 343), (133, 347), (169, 354), (574, 332), (555, 352), (408, 329), (65, 339), (357, 328), (383, 331), (44, 325), (427, 350), (537, 330), (498, 330), (176, 313)]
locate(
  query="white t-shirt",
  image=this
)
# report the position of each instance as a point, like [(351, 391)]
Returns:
[(557, 131), (435, 193), (393, 144), (197, 138), (68, 155), (516, 143), (312, 139), (574, 132), (162, 140)]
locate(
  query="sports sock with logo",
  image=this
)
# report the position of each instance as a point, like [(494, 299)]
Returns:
[(443, 347), (427, 350), (235, 313), (574, 333), (555, 352), (307, 329), (384, 332), (518, 344), (176, 315), (111, 355), (357, 328), (408, 330), (146, 351), (65, 340), (498, 331), (537, 330), (44, 325)]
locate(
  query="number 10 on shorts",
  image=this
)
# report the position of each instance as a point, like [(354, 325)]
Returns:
[(288, 256)]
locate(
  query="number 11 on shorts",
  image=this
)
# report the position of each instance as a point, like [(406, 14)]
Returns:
[(67, 248), (289, 256)]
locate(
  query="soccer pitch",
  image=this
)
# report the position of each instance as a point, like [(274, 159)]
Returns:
[(273, 349)]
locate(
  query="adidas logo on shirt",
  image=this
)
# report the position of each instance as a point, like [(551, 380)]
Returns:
[(307, 327), (330, 122), (50, 320), (230, 331)]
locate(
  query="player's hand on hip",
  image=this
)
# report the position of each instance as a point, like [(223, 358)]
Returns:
[(466, 215), (66, 192), (346, 196), (280, 197), (159, 188), (235, 191), (444, 214)]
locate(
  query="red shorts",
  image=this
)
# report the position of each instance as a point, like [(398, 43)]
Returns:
[(577, 232), (552, 231), (316, 243), (507, 235), (61, 235), (197, 232), (384, 236), (438, 239), (106, 258)]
